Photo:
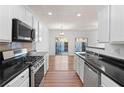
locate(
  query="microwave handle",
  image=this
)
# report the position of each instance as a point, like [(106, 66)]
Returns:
[(33, 34)]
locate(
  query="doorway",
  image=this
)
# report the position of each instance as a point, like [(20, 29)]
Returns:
[(80, 44), (61, 46)]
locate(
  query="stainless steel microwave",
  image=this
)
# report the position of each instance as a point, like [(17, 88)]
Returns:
[(22, 31)]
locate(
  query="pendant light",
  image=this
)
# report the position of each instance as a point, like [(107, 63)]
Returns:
[(61, 33)]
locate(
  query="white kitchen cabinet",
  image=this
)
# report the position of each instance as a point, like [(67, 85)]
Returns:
[(117, 24), (82, 70), (20, 80), (103, 24), (107, 82), (5, 23), (46, 63), (79, 67), (25, 83), (29, 18), (20, 12), (23, 14)]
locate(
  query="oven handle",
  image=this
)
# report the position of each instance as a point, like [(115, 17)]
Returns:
[(37, 69)]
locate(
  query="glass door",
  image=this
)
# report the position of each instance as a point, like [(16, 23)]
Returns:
[(80, 44), (61, 46)]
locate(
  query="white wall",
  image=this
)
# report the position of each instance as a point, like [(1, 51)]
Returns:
[(70, 35), (43, 46), (92, 37)]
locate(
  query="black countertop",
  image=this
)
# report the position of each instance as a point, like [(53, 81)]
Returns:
[(9, 73), (116, 73)]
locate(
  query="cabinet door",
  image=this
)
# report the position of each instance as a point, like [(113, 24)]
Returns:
[(19, 12), (17, 81), (76, 64), (82, 70), (107, 82), (45, 67), (103, 24), (5, 23), (25, 83), (117, 23), (29, 18), (47, 61)]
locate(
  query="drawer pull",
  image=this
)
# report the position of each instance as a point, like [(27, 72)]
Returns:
[(22, 76)]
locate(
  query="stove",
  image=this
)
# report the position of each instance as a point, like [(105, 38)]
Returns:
[(33, 59), (36, 69)]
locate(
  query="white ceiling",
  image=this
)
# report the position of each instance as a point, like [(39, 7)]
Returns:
[(64, 16)]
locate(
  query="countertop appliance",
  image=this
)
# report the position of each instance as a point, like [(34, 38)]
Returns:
[(91, 78), (36, 70), (22, 31)]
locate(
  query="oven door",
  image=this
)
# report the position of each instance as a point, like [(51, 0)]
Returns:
[(37, 77)]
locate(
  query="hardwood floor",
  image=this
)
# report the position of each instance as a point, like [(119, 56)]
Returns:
[(61, 73)]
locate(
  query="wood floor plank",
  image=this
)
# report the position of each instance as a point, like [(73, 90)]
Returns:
[(61, 73)]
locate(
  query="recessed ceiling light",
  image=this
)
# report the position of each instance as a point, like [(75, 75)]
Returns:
[(49, 13), (78, 14)]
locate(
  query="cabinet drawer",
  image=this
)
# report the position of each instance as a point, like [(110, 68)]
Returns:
[(25, 83), (107, 82), (17, 81)]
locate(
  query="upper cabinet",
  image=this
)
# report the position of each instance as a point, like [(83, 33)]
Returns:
[(7, 13), (111, 24), (23, 14), (117, 24), (29, 18), (103, 24), (19, 12), (5, 23)]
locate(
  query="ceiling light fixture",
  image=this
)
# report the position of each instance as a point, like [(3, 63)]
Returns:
[(49, 13), (78, 14), (61, 33)]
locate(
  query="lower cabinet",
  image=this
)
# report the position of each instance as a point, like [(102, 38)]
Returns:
[(107, 82), (25, 83), (79, 67), (81, 74), (46, 63), (22, 80)]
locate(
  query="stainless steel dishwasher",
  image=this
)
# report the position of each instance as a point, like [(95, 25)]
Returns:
[(91, 76)]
